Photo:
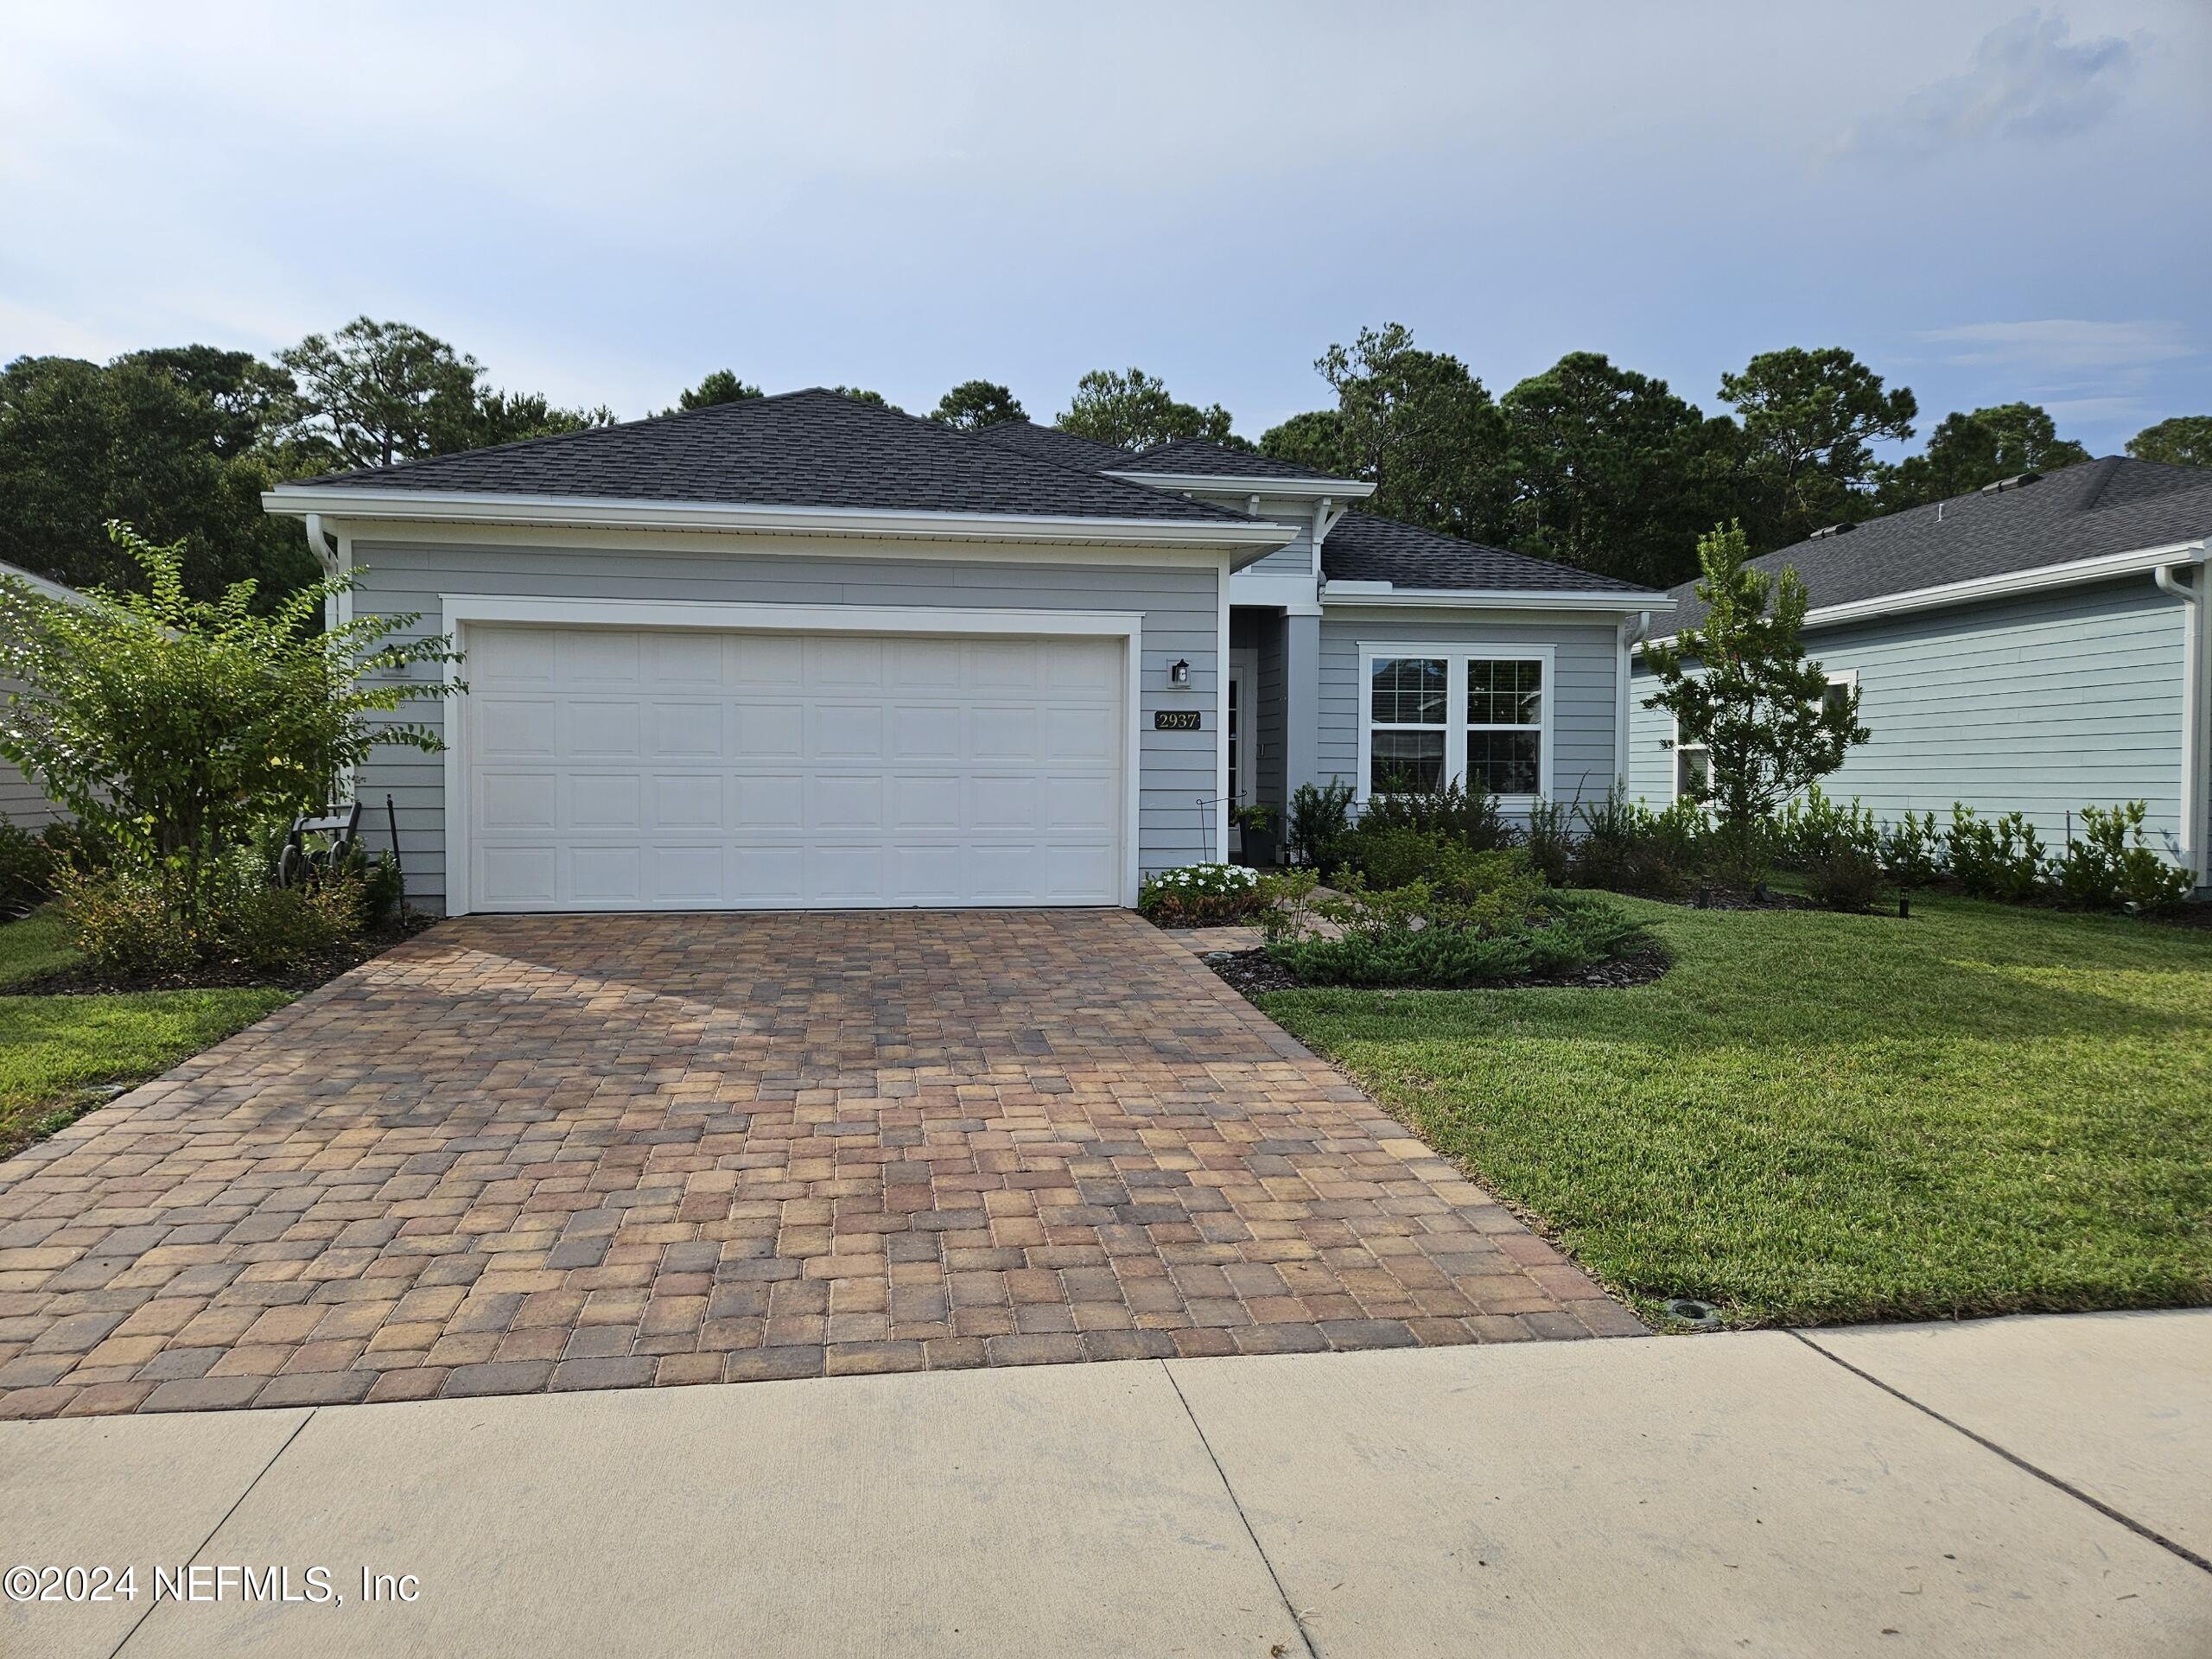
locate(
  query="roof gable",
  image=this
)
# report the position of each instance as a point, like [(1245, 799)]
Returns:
[(813, 448), (2115, 505), (1201, 458), (1363, 547)]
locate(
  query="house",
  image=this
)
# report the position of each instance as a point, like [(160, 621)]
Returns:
[(806, 651), (2037, 646), (21, 801)]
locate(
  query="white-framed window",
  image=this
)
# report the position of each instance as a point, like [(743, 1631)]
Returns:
[(1693, 765), (1432, 715), (1842, 684)]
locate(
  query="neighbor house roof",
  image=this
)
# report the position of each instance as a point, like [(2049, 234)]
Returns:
[(1050, 443), (2097, 508), (1363, 547), (813, 448), (1200, 458)]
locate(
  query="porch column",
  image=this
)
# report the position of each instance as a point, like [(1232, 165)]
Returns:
[(1301, 683)]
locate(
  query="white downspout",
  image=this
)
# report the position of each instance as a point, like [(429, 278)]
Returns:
[(1632, 630), (2195, 829)]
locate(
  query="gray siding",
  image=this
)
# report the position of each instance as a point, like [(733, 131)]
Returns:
[(1584, 690), (2040, 704), (21, 801), (1181, 607)]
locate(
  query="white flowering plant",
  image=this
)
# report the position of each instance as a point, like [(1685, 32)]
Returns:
[(1201, 895)]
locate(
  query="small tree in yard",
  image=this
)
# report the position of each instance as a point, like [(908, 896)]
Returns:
[(1739, 686), (177, 728)]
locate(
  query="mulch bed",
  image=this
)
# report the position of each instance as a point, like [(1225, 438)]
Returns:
[(229, 975), (1255, 973)]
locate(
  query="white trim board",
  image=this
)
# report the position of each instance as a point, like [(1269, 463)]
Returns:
[(462, 611), (1457, 656), (1340, 596), (2136, 562), (409, 506)]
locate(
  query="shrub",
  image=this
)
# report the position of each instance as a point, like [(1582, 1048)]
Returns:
[(1388, 854), (1414, 935), (2002, 858), (2109, 865), (126, 922), (1738, 854), (173, 726), (1467, 815), (1838, 848), (26, 869), (1201, 895), (1318, 818), (1550, 841), (1626, 847), (278, 930), (1912, 850)]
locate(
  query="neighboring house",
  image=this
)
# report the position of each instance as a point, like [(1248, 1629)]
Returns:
[(2036, 648), (801, 650), (21, 801)]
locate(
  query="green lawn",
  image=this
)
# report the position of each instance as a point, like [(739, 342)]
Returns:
[(36, 945), (54, 1049), (1814, 1117)]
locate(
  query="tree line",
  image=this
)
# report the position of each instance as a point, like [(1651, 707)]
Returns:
[(1588, 463)]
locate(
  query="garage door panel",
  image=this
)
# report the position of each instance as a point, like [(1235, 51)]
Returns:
[(769, 801), (679, 729), (606, 876), (846, 802), (603, 800), (516, 878), (1001, 732), (602, 729), (922, 802), (929, 731), (775, 661), (686, 875), (518, 800), (1080, 801), (699, 770), (772, 731), (673, 658), (689, 801), (836, 663), (846, 731), (514, 727), (600, 656)]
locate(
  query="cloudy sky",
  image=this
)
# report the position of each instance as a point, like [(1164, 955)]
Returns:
[(1986, 201)]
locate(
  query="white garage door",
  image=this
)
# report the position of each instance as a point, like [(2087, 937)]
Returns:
[(650, 769)]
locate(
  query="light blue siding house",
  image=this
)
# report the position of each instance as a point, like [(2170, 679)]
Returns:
[(801, 652), (2036, 647)]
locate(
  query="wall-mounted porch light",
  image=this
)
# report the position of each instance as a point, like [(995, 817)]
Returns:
[(1179, 674)]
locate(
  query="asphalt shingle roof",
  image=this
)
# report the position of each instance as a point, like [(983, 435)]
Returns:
[(2113, 506), (1363, 547), (1199, 458), (811, 448), (1050, 443)]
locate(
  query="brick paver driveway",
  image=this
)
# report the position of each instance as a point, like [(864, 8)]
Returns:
[(567, 1151)]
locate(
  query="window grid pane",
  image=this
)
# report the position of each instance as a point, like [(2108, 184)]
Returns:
[(1405, 760), (1409, 691), (1506, 763), (1505, 693)]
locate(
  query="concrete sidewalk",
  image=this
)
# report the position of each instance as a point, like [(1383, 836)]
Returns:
[(2015, 1487)]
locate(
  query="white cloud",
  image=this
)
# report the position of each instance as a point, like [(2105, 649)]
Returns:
[(2026, 81), (2060, 345)]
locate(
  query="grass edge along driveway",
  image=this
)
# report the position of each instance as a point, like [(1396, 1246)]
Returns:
[(56, 1051), (1816, 1118)]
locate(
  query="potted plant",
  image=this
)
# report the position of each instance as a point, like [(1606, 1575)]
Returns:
[(1257, 820)]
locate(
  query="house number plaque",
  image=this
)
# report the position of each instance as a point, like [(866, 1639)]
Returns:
[(1175, 719)]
